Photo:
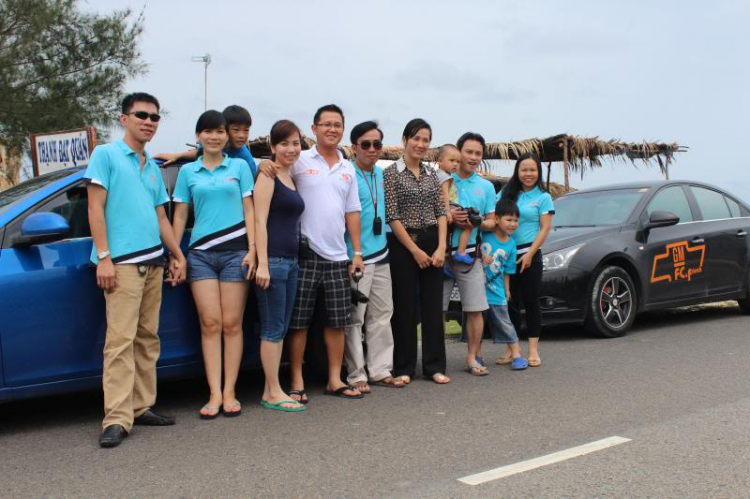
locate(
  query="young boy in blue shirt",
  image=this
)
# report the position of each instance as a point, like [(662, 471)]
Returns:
[(499, 260), (239, 122)]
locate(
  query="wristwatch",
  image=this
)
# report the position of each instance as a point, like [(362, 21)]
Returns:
[(102, 255), (358, 253)]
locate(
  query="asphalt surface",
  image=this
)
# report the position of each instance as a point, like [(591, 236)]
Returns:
[(678, 386)]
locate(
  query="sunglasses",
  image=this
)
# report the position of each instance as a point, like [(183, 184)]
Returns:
[(143, 115), (366, 144)]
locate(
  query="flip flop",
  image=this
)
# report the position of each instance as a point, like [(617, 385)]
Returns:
[(301, 394), (501, 361), (339, 392), (230, 413), (390, 382), (476, 370), (280, 407), (535, 362), (211, 414), (406, 379)]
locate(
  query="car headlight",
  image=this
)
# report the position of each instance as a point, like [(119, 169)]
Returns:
[(559, 259)]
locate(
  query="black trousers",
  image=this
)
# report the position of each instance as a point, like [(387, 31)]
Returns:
[(525, 289), (412, 288)]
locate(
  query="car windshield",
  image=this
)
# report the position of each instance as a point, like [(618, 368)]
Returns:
[(13, 195), (591, 209)]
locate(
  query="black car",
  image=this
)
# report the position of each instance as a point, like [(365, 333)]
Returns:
[(616, 251), (619, 250)]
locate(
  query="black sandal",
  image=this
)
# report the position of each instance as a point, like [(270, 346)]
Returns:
[(340, 392), (301, 394)]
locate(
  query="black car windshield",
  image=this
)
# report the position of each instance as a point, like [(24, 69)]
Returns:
[(591, 209), (13, 195)]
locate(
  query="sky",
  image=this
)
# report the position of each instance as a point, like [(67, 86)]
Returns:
[(656, 70)]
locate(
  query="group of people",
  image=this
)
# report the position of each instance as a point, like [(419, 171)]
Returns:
[(383, 247)]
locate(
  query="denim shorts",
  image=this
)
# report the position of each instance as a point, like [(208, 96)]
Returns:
[(501, 327), (226, 266), (276, 303)]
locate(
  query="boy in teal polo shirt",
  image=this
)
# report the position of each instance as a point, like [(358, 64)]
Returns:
[(128, 225), (374, 316), (499, 258), (239, 122)]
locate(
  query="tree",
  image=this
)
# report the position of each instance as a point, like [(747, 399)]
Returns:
[(61, 68)]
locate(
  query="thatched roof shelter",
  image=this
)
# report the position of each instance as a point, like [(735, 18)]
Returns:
[(576, 153)]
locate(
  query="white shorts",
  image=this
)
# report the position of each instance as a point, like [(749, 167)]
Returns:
[(470, 285)]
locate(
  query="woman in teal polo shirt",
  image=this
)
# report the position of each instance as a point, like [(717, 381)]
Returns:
[(526, 189), (221, 254)]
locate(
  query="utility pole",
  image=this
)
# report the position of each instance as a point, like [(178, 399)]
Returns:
[(206, 60)]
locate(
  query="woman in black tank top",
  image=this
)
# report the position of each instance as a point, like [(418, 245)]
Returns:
[(278, 207)]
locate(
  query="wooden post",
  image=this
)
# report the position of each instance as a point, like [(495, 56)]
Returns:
[(565, 164)]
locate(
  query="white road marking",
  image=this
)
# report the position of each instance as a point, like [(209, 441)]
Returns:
[(538, 462)]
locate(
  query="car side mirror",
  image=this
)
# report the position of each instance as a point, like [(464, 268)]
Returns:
[(42, 228), (662, 218)]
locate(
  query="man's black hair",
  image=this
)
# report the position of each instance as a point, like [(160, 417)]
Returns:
[(237, 115), (471, 136), (362, 128), (210, 120), (506, 207), (414, 126), (330, 108), (129, 101)]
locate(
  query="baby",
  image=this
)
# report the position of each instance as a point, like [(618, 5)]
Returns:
[(449, 158)]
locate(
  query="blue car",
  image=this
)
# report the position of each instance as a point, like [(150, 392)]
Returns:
[(52, 322)]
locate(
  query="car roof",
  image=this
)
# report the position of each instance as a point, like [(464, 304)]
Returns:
[(643, 184)]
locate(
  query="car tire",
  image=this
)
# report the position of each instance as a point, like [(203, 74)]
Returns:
[(745, 302), (612, 303)]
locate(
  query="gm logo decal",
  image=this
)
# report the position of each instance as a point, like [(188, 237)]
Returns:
[(679, 262)]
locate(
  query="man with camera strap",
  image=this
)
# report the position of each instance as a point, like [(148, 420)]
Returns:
[(372, 294)]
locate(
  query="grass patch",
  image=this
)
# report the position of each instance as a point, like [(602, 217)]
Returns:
[(452, 328)]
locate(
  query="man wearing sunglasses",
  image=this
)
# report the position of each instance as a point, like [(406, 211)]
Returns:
[(130, 227), (375, 283)]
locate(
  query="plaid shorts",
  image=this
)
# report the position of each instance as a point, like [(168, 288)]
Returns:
[(314, 272)]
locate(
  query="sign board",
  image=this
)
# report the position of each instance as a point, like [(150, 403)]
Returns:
[(57, 150)]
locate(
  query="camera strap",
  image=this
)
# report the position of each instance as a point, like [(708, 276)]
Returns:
[(373, 195)]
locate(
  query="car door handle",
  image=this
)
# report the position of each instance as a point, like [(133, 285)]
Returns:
[(741, 234), (698, 240)]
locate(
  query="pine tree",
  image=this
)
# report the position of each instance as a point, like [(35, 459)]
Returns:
[(61, 68)]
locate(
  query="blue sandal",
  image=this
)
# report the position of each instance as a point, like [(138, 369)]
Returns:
[(519, 364)]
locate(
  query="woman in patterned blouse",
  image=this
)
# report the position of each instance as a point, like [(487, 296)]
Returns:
[(417, 217)]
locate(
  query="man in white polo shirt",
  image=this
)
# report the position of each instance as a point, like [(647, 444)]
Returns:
[(327, 182)]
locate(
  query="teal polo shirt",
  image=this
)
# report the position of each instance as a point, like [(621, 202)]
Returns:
[(130, 209), (372, 199), (217, 199), (503, 256), (241, 153), (531, 206), (475, 192)]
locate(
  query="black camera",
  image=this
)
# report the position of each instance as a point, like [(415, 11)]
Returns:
[(475, 218), (357, 296)]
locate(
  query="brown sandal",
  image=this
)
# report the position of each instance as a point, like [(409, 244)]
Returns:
[(390, 382)]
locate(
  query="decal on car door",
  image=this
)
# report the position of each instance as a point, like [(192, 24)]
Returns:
[(679, 262)]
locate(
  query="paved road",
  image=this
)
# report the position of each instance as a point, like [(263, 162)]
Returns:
[(678, 386)]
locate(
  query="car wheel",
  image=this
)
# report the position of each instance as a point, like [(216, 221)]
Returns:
[(612, 304)]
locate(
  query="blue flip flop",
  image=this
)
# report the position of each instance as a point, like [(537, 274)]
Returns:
[(519, 364)]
